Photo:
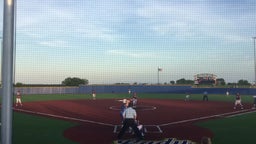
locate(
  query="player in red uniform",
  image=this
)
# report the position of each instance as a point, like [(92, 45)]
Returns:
[(134, 100), (254, 102), (238, 101), (18, 98)]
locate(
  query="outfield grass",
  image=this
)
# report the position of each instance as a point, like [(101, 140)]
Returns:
[(35, 129), (235, 130), (212, 97), (29, 129)]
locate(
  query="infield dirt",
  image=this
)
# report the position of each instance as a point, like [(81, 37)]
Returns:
[(162, 118)]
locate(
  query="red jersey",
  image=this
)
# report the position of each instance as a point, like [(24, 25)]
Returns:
[(238, 97), (18, 95)]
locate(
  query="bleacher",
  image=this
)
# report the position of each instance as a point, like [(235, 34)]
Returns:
[(149, 129), (164, 141)]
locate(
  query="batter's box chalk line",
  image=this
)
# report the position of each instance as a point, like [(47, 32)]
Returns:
[(147, 129)]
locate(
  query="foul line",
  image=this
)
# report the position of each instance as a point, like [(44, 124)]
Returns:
[(241, 114), (64, 117), (142, 108), (229, 114)]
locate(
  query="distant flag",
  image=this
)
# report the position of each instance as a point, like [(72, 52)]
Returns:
[(160, 69)]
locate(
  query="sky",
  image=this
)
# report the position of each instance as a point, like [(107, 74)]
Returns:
[(125, 41)]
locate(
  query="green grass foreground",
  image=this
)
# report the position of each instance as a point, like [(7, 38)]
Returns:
[(32, 129), (29, 129), (234, 130)]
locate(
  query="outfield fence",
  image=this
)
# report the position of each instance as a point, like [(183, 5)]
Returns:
[(134, 88)]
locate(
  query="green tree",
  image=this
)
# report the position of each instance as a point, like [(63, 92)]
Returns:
[(74, 81), (232, 84), (243, 82), (181, 81), (184, 81), (221, 81), (19, 84)]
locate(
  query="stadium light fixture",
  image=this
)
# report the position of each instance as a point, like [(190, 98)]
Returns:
[(254, 38)]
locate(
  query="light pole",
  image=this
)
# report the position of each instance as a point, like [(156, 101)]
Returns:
[(158, 70), (158, 76), (254, 38)]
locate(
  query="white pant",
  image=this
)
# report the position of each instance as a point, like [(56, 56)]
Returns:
[(238, 102), (18, 100)]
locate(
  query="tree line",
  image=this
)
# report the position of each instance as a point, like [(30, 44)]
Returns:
[(69, 81), (219, 82), (76, 81)]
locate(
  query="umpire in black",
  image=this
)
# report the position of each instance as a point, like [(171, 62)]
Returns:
[(130, 116)]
